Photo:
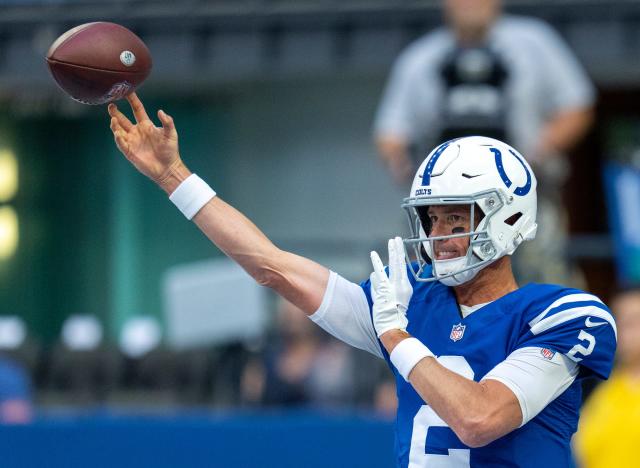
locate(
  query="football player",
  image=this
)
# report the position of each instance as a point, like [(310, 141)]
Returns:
[(488, 373)]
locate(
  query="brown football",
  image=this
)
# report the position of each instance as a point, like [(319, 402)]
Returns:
[(96, 63)]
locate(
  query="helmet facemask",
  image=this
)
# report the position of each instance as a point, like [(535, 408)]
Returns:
[(480, 251)]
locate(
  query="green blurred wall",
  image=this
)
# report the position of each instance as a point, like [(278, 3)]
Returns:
[(93, 232)]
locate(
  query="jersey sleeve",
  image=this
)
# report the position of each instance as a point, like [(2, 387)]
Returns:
[(536, 376), (578, 325), (345, 314)]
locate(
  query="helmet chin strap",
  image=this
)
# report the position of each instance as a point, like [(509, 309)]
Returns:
[(454, 271), (445, 271)]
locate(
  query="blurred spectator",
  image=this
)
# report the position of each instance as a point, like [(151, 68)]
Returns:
[(300, 366), (15, 393), (18, 345), (502, 76), (609, 433)]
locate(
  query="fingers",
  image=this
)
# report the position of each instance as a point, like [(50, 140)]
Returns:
[(121, 142), (120, 135), (378, 267), (136, 106), (168, 127), (399, 262), (115, 126), (122, 119), (393, 271), (118, 132)]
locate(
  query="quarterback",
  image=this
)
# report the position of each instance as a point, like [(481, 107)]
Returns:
[(488, 373)]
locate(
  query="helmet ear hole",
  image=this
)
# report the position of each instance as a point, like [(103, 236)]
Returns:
[(513, 219)]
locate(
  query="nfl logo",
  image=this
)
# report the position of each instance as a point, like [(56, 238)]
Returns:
[(457, 332), (547, 353)]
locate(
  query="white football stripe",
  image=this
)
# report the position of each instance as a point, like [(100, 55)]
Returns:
[(570, 314), (563, 300)]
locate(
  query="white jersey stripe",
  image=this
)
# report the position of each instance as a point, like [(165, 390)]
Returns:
[(563, 300), (570, 314)]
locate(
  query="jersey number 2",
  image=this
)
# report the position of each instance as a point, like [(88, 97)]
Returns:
[(431, 434), (591, 343)]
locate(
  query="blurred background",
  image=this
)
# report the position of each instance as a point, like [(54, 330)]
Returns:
[(127, 339)]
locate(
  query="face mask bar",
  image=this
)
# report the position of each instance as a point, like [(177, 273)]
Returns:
[(492, 201)]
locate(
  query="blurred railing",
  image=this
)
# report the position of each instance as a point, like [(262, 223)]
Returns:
[(16, 11), (204, 43), (283, 440)]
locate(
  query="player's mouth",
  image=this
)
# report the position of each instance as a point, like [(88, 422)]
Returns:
[(447, 254)]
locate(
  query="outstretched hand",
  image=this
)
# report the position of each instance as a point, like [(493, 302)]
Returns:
[(152, 150)]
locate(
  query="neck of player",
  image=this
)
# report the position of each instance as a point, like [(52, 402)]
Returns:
[(491, 283)]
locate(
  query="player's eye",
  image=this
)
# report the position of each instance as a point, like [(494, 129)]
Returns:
[(457, 223)]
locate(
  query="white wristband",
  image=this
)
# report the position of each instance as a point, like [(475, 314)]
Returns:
[(191, 195), (407, 354)]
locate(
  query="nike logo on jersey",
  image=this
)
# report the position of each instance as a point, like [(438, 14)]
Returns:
[(591, 324), (469, 176)]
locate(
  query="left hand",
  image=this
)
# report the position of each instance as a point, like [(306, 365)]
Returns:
[(391, 294)]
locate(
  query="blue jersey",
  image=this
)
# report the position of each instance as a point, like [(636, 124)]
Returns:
[(551, 317)]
